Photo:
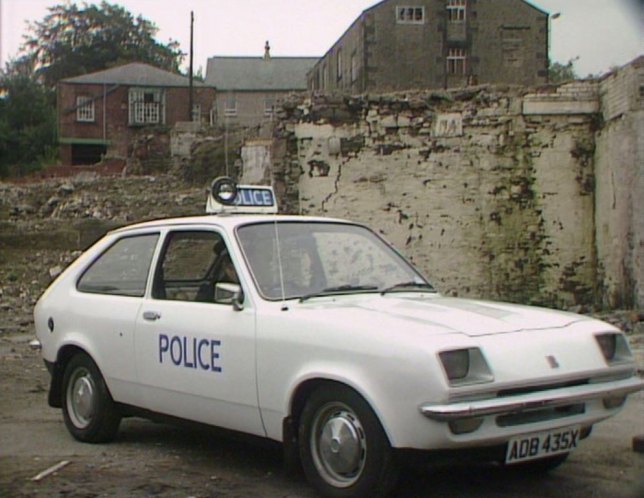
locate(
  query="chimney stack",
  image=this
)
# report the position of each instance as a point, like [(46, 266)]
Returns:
[(267, 51)]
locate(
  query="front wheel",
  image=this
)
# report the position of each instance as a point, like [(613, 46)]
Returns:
[(88, 409), (343, 448)]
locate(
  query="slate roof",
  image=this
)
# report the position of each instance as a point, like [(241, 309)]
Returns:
[(134, 74), (258, 74)]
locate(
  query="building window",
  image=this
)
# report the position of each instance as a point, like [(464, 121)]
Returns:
[(354, 67), (85, 109), (339, 64), (410, 15), (230, 106), (456, 59), (456, 10), (325, 77), (196, 113), (269, 105), (146, 106)]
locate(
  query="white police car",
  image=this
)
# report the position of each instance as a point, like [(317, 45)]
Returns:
[(316, 333)]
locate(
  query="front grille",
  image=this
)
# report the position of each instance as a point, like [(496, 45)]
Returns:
[(539, 388), (540, 415)]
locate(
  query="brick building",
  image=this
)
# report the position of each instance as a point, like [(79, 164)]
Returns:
[(248, 88), (401, 45), (100, 113)]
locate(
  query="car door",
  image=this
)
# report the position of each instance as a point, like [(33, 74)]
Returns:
[(103, 309), (195, 356)]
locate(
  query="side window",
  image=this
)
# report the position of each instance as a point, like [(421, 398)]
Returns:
[(122, 269), (193, 262)]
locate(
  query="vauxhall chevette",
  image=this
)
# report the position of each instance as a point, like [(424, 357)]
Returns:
[(318, 334)]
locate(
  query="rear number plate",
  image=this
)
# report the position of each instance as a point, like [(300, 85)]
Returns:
[(542, 444)]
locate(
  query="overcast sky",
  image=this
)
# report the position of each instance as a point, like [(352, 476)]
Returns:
[(602, 33)]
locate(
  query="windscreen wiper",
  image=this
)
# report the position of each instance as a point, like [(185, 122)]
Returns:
[(405, 286), (340, 289)]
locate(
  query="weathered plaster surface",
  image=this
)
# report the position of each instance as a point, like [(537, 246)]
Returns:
[(492, 192), (619, 164)]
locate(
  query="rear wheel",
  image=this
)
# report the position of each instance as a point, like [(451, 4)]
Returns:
[(88, 409), (343, 448)]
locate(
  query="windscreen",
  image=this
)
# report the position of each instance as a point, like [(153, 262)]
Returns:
[(298, 259)]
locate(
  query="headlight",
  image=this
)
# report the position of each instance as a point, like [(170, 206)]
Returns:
[(456, 363), (465, 366), (614, 347), (607, 343)]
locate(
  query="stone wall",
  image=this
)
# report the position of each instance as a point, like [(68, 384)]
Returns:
[(500, 41), (492, 192), (619, 167)]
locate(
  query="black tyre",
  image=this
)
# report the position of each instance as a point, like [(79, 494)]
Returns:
[(540, 466), (343, 448), (88, 409)]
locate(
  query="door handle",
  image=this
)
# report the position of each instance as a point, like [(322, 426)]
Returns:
[(151, 316)]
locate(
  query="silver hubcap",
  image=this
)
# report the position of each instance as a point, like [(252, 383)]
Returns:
[(80, 398), (339, 445)]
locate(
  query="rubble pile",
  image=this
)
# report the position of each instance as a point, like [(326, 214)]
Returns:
[(115, 199), (45, 225)]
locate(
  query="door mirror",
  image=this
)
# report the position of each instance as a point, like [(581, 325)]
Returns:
[(228, 293)]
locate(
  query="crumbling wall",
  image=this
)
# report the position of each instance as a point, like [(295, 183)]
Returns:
[(619, 166), (488, 198)]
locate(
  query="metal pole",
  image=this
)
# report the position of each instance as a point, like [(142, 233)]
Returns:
[(1, 60), (549, 20)]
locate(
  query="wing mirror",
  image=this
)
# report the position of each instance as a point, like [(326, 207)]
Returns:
[(229, 293)]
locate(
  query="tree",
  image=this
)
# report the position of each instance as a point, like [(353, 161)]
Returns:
[(27, 124), (558, 72), (73, 40)]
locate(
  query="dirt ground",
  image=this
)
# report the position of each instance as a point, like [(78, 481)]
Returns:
[(151, 459)]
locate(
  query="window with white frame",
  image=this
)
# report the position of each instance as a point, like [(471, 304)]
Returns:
[(146, 106), (456, 61), (456, 10), (84, 109), (230, 106), (269, 106), (409, 14), (325, 77), (196, 113)]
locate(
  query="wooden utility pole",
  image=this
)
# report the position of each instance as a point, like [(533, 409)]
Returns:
[(190, 97)]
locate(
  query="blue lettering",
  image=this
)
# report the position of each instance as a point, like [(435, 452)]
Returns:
[(163, 346), (214, 356), (176, 360), (197, 356), (186, 363), (202, 343)]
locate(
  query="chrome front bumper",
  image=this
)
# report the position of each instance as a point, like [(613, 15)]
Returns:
[(536, 400)]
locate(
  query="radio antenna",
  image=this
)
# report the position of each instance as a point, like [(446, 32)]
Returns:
[(279, 265)]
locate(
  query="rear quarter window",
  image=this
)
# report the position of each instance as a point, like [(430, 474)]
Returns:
[(122, 269)]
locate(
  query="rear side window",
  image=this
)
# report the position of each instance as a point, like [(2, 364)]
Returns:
[(122, 269)]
